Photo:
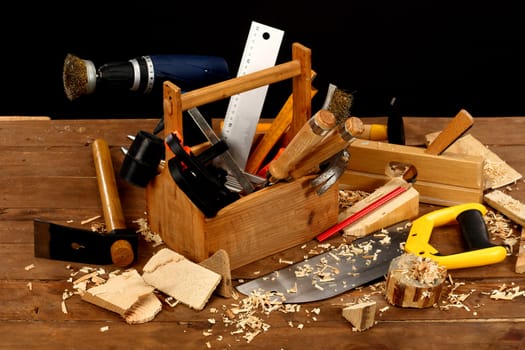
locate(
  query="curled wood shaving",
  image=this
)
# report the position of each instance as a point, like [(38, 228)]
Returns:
[(456, 300), (248, 318), (506, 293), (500, 227), (147, 233), (87, 221), (347, 198), (420, 269)]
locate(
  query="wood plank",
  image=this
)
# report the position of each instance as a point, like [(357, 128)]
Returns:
[(76, 132), (520, 258), (386, 336), (33, 318), (63, 192)]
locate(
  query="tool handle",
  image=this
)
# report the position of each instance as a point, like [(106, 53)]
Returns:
[(107, 185), (474, 229), (457, 127), (480, 251), (332, 144), (277, 129), (303, 142), (374, 132)]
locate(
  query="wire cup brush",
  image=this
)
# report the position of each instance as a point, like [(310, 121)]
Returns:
[(141, 74)]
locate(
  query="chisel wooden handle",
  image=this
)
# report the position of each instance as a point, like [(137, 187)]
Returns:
[(333, 143), (277, 129), (303, 142), (121, 250), (457, 127)]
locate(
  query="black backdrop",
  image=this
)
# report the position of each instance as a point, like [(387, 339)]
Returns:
[(436, 57)]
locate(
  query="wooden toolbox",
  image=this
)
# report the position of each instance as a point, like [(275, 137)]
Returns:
[(259, 224)]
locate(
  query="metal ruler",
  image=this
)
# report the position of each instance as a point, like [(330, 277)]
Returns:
[(244, 109)]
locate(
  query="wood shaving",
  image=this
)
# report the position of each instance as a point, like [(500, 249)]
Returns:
[(422, 270), (347, 198), (502, 228), (147, 233), (248, 318), (29, 267), (494, 169), (507, 293), (456, 300), (87, 221)]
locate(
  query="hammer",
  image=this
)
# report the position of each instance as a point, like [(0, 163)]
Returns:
[(118, 245)]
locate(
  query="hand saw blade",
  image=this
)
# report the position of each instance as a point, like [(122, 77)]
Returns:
[(335, 271), (244, 109)]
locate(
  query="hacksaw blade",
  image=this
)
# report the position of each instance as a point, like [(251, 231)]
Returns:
[(244, 109)]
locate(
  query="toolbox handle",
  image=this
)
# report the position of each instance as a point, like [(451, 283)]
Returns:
[(299, 69)]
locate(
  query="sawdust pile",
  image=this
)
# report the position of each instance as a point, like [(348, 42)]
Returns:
[(423, 270), (249, 317)]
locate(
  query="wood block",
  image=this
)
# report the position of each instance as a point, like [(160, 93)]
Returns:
[(180, 278), (219, 262), (520, 260), (128, 295), (496, 172), (414, 281), (441, 180), (506, 205), (361, 315), (403, 207)]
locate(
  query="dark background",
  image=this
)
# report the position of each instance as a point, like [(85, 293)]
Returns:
[(436, 57)]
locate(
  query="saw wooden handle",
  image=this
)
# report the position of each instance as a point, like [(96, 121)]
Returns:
[(457, 127), (303, 143)]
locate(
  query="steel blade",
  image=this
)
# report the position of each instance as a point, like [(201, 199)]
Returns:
[(335, 271)]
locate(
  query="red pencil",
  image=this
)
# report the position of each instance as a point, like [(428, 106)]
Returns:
[(366, 210)]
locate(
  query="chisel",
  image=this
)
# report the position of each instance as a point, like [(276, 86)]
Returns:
[(306, 140), (329, 146)]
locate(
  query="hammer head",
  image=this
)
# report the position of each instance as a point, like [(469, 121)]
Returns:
[(58, 242)]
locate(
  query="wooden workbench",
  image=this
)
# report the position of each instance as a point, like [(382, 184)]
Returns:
[(47, 172)]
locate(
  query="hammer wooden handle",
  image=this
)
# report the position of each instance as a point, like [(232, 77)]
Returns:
[(303, 143), (121, 250), (107, 185)]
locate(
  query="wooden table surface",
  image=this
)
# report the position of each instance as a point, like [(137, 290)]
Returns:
[(47, 172)]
